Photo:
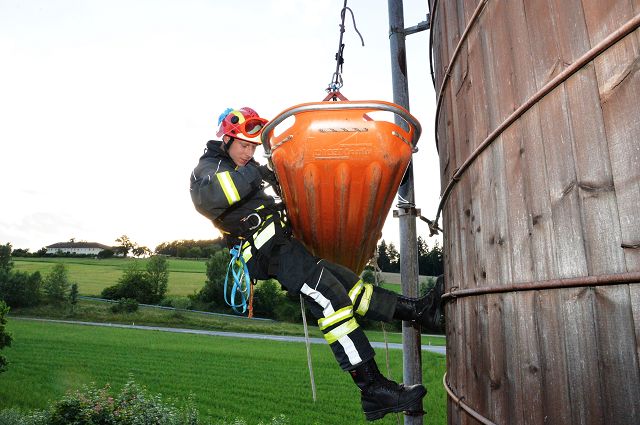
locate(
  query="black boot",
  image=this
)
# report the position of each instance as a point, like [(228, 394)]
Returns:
[(380, 396), (425, 310)]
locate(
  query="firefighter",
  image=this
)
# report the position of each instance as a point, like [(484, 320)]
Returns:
[(227, 187)]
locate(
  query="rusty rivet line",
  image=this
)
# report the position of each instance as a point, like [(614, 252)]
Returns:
[(463, 405), (599, 48), (572, 282)]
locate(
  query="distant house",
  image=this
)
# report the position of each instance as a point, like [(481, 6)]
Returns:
[(80, 248)]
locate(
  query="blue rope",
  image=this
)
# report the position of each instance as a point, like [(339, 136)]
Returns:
[(241, 287)]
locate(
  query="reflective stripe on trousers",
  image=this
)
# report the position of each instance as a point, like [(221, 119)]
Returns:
[(334, 309)]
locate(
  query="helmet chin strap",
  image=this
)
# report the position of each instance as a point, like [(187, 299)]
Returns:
[(228, 143)]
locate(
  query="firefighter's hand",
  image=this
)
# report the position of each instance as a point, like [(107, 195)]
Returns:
[(268, 175)]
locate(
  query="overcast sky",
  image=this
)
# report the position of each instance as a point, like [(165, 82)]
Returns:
[(105, 106)]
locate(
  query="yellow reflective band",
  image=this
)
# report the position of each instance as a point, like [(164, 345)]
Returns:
[(355, 291), (332, 319), (246, 252), (363, 306), (264, 235), (342, 330), (228, 187), (261, 238)]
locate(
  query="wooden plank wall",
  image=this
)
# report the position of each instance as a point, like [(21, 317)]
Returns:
[(557, 195)]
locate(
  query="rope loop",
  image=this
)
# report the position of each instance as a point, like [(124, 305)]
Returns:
[(237, 294)]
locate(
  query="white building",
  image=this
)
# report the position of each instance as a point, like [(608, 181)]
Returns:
[(79, 248)]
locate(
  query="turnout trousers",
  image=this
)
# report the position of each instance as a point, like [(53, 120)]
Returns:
[(336, 296)]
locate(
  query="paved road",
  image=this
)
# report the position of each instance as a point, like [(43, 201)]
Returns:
[(431, 348)]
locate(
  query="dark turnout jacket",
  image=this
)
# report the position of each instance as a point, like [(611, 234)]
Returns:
[(224, 192)]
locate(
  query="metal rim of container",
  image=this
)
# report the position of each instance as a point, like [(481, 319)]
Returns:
[(337, 106)]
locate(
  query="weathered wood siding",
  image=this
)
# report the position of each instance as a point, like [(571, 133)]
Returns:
[(556, 195)]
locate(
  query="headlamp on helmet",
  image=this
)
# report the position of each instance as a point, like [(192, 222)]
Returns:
[(243, 124)]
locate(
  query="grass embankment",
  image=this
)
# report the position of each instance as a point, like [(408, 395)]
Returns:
[(94, 311), (228, 378), (185, 277)]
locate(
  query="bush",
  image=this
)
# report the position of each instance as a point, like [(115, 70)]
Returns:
[(106, 253), (288, 310), (177, 302), (56, 284), (212, 294), (6, 264), (20, 289), (158, 277), (267, 296), (5, 337), (271, 301), (132, 406), (146, 286), (125, 305), (73, 295), (133, 284), (17, 289), (14, 416)]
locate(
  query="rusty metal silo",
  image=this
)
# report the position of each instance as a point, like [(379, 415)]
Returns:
[(538, 132)]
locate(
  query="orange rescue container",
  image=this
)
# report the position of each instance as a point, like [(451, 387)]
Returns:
[(339, 170)]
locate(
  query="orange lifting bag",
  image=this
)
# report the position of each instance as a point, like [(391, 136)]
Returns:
[(339, 171)]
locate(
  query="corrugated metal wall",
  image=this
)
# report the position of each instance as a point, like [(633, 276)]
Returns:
[(553, 198)]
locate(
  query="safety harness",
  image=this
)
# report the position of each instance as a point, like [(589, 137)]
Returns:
[(258, 228)]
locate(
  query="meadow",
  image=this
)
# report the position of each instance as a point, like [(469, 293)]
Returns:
[(227, 378), (92, 275), (185, 278)]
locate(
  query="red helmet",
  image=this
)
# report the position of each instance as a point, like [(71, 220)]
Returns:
[(243, 124)]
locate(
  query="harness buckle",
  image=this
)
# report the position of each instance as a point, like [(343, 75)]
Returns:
[(250, 216)]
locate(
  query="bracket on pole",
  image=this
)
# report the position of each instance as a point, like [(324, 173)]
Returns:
[(413, 211), (422, 26)]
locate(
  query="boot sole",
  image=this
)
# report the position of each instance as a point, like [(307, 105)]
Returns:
[(379, 414)]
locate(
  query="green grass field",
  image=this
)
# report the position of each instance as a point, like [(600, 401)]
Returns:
[(229, 378), (93, 275), (185, 277)]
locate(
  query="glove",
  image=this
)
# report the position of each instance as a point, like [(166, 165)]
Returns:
[(268, 175)]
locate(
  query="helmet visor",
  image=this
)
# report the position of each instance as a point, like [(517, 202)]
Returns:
[(252, 127)]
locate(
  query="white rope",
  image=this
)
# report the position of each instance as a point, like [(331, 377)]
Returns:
[(308, 344)]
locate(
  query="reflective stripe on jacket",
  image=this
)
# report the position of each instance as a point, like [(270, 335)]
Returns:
[(224, 192)]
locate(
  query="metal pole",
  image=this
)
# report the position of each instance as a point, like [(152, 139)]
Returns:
[(412, 360)]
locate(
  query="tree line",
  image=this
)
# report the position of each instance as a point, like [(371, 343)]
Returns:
[(125, 246), (430, 260), (190, 248), (149, 286), (146, 285)]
